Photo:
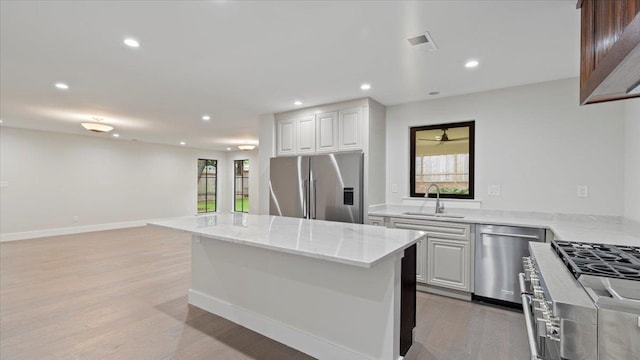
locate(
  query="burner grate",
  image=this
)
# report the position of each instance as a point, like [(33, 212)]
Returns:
[(622, 262)]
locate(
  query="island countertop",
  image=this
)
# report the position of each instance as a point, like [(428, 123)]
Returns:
[(352, 244)]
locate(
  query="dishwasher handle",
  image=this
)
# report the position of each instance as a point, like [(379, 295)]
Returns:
[(522, 236)]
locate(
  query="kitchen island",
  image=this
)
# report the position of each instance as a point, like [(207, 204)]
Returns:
[(331, 290)]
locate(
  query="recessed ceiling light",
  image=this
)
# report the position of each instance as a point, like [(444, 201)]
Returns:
[(62, 86), (228, 149), (365, 86), (297, 103), (434, 93), (116, 135), (183, 143), (0, 121), (130, 42), (206, 117), (471, 64)]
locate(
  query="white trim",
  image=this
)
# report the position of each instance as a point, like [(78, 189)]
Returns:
[(303, 341), (70, 230)]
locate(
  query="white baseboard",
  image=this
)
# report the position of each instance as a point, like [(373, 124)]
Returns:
[(276, 330), (70, 230)]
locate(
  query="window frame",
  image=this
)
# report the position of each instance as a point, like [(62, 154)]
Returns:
[(215, 195), (412, 158), (235, 183)]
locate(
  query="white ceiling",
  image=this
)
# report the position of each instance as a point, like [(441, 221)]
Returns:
[(237, 60)]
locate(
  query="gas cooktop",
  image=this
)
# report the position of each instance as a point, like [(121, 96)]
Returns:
[(612, 261)]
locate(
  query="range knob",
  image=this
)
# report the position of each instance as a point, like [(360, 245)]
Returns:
[(553, 329), (538, 293)]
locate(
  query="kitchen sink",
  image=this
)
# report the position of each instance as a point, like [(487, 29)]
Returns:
[(430, 214)]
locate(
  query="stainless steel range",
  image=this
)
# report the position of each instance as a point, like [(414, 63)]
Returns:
[(582, 301)]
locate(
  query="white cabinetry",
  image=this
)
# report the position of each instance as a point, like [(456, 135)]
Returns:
[(444, 257), (449, 262), (376, 220), (327, 132), (286, 137), (350, 129), (306, 135)]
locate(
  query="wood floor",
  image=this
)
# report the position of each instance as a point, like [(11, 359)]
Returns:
[(121, 294)]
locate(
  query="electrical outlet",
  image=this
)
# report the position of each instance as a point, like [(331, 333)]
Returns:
[(75, 218), (583, 191), (394, 188), (493, 190)]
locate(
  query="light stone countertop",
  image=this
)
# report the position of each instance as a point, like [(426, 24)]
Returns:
[(584, 228), (352, 244)]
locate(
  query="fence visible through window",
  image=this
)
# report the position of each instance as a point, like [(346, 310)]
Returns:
[(207, 185), (241, 185)]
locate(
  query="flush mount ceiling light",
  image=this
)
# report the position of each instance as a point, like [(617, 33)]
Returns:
[(183, 143), (206, 117), (365, 86), (246, 147), (62, 86), (130, 42), (471, 64), (297, 103), (228, 149), (116, 135), (97, 126)]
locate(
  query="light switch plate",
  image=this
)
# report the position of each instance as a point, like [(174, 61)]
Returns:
[(583, 191), (394, 188), (493, 190), (4, 184)]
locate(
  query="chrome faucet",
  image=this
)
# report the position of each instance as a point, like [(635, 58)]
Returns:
[(439, 207)]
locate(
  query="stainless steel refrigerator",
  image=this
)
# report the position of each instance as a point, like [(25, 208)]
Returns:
[(324, 187)]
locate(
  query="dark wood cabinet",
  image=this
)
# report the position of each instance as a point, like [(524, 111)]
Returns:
[(609, 50)]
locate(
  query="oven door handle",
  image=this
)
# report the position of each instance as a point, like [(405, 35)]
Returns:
[(528, 319)]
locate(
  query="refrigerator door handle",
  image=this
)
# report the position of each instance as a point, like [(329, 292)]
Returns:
[(305, 196), (313, 191)]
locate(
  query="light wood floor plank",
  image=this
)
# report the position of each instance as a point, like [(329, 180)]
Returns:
[(121, 294)]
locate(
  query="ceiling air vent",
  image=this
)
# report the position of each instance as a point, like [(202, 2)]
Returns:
[(424, 42)]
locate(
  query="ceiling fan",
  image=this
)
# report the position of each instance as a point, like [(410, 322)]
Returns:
[(444, 138)]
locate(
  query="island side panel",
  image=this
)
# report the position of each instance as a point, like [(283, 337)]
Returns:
[(325, 309), (408, 299)]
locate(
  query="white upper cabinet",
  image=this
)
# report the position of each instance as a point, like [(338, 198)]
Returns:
[(286, 137), (306, 135), (350, 131), (324, 132), (327, 132)]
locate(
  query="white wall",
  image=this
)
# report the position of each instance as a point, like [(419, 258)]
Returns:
[(267, 138), (254, 176), (632, 159), (53, 177), (534, 141)]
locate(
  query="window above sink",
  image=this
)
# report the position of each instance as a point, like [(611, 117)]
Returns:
[(443, 154)]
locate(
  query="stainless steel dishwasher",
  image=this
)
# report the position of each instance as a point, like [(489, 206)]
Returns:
[(498, 260)]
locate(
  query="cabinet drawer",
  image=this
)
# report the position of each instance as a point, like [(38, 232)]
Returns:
[(376, 220), (455, 230)]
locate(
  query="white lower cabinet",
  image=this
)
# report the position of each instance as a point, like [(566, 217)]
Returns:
[(444, 258), (449, 263), (421, 261), (376, 220)]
